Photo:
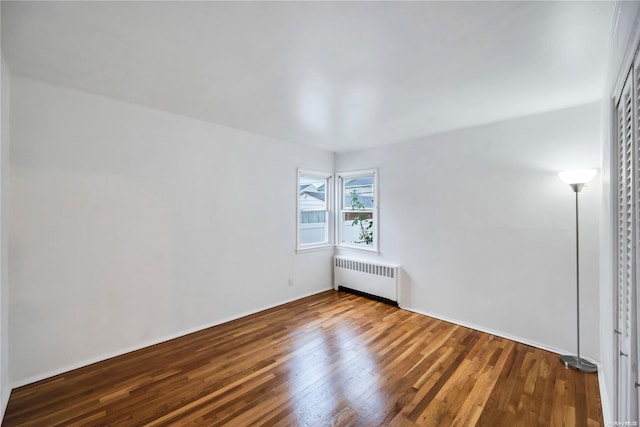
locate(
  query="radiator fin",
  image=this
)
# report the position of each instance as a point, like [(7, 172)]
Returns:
[(365, 267)]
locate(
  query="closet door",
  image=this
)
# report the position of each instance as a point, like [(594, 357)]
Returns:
[(626, 254), (633, 129)]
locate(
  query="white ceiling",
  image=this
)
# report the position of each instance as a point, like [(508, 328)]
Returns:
[(336, 75)]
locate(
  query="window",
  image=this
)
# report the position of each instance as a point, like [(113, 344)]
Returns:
[(314, 204), (358, 210)]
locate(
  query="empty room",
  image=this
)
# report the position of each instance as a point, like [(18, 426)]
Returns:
[(319, 213)]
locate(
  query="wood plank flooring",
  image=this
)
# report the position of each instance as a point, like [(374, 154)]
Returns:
[(333, 359)]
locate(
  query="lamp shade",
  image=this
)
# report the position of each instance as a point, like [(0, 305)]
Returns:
[(577, 176)]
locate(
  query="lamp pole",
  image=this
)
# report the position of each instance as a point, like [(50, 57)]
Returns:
[(576, 362)]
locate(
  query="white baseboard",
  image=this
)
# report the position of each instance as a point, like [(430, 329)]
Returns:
[(6, 392), (496, 333), (149, 343), (607, 415)]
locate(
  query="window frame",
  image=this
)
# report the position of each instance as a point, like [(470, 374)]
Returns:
[(328, 209), (340, 209)]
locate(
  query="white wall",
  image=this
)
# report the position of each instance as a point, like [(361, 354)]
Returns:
[(624, 33), (484, 228), (5, 388), (130, 225)]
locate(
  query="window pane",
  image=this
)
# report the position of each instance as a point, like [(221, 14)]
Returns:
[(312, 193), (358, 193), (313, 227), (357, 228)]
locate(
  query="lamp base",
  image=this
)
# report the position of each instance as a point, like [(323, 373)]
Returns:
[(579, 364)]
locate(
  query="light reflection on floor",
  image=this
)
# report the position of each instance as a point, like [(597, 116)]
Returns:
[(333, 377)]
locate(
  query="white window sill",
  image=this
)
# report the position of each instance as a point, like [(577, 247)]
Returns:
[(305, 249), (358, 247)]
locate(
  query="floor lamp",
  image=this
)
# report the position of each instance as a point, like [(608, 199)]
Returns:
[(577, 180)]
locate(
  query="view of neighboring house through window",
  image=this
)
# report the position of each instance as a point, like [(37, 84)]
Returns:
[(313, 209), (358, 218)]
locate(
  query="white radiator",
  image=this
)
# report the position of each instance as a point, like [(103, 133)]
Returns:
[(376, 279)]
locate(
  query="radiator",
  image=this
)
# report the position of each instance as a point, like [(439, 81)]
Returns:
[(372, 278)]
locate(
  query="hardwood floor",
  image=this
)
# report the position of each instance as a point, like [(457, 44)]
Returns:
[(332, 359)]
